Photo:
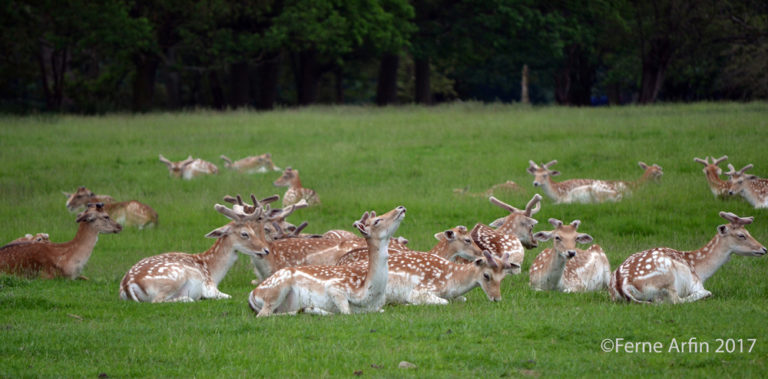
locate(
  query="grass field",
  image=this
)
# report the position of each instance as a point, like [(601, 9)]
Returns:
[(362, 158)]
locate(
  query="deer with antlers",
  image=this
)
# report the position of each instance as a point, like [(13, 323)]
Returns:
[(172, 277), (750, 187), (667, 275), (518, 223), (566, 268), (189, 168), (51, 260), (252, 164), (295, 191), (334, 289), (587, 190), (126, 213), (719, 187)]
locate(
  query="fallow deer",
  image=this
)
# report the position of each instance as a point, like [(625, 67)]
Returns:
[(718, 186), (189, 168), (339, 234), (667, 275), (518, 223), (506, 186), (295, 191), (566, 268), (452, 244), (78, 200), (334, 289), (750, 187), (126, 213), (171, 277), (253, 164), (500, 244), (419, 278), (39, 237), (51, 260)]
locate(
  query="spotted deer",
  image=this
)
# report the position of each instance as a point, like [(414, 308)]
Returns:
[(518, 223), (79, 199), (750, 187), (189, 168), (183, 277), (125, 213), (39, 237), (565, 268), (252, 164), (719, 187), (52, 260), (499, 244), (334, 289), (667, 275), (419, 278), (295, 191), (339, 234)]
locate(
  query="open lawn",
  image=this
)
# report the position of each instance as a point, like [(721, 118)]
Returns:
[(364, 158)]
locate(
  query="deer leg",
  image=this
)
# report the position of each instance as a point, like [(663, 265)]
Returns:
[(425, 297)]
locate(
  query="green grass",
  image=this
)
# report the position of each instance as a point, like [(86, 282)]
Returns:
[(363, 158)]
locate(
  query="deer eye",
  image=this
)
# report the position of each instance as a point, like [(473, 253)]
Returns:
[(468, 241), (487, 277), (558, 239), (741, 236), (244, 235)]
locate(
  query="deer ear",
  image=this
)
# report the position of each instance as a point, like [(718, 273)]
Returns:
[(722, 229), (67, 194), (542, 236), (643, 165), (531, 170), (497, 223), (479, 262), (584, 238), (554, 173), (449, 235), (218, 233), (361, 227)]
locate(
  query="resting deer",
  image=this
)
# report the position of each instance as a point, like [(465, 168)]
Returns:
[(189, 168), (667, 275), (452, 243), (295, 191), (39, 237), (51, 260), (339, 234), (566, 268), (750, 187), (253, 164), (186, 277), (334, 289), (518, 223), (78, 200), (506, 186), (126, 213), (718, 186)]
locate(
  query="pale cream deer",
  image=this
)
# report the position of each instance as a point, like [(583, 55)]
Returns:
[(172, 277), (51, 260), (252, 164), (518, 223), (126, 213), (750, 187), (189, 168), (295, 191), (334, 289), (566, 268), (667, 275), (718, 186)]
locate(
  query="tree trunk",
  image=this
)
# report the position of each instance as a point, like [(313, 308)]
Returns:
[(562, 85), (386, 92), (172, 80), (239, 84), (339, 74), (144, 81), (217, 93), (57, 60), (655, 63), (524, 97), (306, 72), (423, 86), (268, 79)]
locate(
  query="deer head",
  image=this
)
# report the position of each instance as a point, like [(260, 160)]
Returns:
[(519, 223), (493, 270), (98, 219), (711, 166), (652, 172), (459, 242), (244, 232), (541, 174), (176, 169), (564, 237), (79, 199), (739, 178), (738, 238), (382, 227), (289, 175)]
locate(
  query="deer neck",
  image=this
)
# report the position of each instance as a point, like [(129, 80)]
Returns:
[(553, 274), (707, 260), (378, 269), (442, 250), (219, 258), (295, 183), (75, 254), (460, 279), (715, 182)]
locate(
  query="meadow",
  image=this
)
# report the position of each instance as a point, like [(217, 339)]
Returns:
[(366, 158)]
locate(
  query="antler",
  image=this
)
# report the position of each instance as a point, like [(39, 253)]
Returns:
[(502, 204), (549, 164), (530, 210), (736, 220), (718, 160), (489, 259), (165, 160), (704, 161)]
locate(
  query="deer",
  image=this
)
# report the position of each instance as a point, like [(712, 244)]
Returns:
[(126, 213), (82, 197), (252, 164), (506, 186), (518, 223), (39, 237), (419, 278), (67, 259), (565, 268), (452, 244), (295, 192), (189, 168), (665, 275), (183, 277), (720, 188), (750, 187), (329, 290)]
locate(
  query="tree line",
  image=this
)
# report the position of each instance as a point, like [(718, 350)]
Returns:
[(115, 55)]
